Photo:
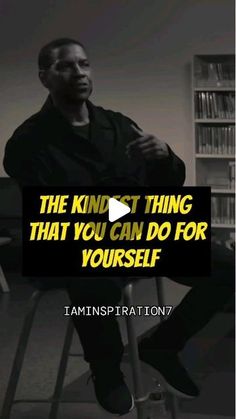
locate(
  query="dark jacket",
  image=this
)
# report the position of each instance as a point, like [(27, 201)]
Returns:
[(45, 150)]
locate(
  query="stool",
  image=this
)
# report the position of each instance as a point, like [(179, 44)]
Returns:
[(139, 394)]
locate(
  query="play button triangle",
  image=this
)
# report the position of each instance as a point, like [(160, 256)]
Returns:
[(116, 209)]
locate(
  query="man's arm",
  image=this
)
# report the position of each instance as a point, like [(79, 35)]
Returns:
[(169, 171)]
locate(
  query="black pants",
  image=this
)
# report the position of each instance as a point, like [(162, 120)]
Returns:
[(100, 336)]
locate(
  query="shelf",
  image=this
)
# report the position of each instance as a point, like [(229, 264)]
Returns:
[(214, 121), (214, 89), (215, 156), (223, 191), (223, 226), (213, 96)]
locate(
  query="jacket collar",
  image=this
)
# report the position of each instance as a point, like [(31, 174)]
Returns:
[(97, 114)]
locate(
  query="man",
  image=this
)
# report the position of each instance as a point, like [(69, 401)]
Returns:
[(72, 142)]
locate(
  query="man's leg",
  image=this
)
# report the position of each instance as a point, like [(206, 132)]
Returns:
[(99, 335), (207, 297), (101, 341)]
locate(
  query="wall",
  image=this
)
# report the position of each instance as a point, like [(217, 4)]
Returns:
[(141, 52)]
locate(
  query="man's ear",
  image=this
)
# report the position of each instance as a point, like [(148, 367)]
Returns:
[(43, 78)]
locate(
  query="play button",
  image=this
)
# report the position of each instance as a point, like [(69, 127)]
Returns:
[(116, 209)]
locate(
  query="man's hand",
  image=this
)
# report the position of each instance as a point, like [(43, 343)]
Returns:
[(146, 146)]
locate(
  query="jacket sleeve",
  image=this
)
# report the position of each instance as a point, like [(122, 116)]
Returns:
[(14, 159), (21, 157)]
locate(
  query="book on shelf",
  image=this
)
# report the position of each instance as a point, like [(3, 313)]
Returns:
[(214, 105), (223, 210), (231, 167), (226, 182), (211, 74), (215, 139)]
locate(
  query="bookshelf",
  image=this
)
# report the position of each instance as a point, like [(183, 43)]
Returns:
[(213, 95)]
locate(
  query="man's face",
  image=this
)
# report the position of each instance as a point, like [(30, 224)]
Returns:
[(69, 76)]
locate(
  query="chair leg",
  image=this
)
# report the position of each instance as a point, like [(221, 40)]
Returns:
[(140, 396), (20, 354), (160, 294), (3, 282), (161, 301), (61, 371), (174, 407)]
